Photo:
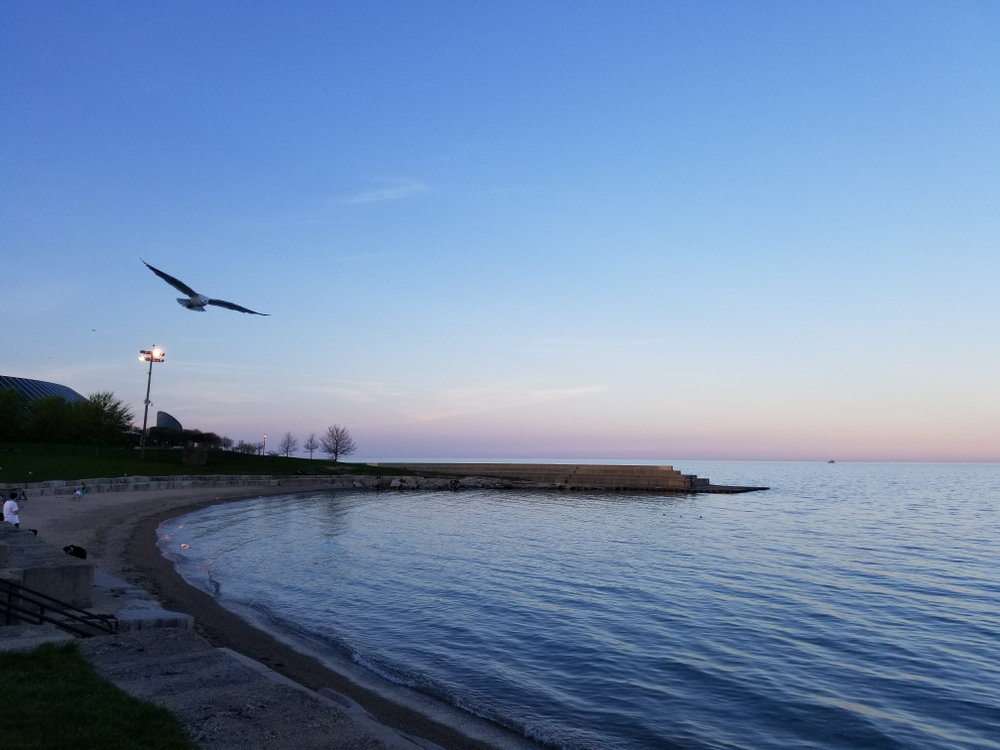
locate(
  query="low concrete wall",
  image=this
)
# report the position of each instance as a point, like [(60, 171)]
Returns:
[(47, 569), (179, 482)]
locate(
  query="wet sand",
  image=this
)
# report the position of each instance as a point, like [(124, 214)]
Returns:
[(119, 532)]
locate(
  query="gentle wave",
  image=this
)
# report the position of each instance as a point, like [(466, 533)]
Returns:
[(851, 606)]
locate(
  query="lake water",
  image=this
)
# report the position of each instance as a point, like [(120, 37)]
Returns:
[(850, 606)]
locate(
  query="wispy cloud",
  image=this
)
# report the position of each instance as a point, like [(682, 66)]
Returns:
[(364, 391), (363, 256), (563, 346), (478, 399), (390, 190), (415, 403)]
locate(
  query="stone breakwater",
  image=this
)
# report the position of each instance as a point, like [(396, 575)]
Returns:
[(576, 476), (448, 476)]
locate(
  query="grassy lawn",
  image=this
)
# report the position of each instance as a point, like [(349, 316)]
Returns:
[(34, 462), (52, 699)]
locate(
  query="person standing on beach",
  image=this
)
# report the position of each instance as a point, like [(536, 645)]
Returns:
[(11, 510)]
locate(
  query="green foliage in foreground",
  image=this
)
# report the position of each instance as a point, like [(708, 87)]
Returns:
[(51, 698), (32, 462)]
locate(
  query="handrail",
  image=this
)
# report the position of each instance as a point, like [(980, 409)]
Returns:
[(43, 608)]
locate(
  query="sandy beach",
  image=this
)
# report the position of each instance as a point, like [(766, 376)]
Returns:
[(118, 530)]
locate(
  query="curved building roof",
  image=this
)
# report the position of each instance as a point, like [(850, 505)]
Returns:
[(36, 389), (167, 421)]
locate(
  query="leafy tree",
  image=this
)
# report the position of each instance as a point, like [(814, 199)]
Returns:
[(166, 436), (50, 420), (102, 418), (337, 442), (13, 413), (289, 444), (311, 444)]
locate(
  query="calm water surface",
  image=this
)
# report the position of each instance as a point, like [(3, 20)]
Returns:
[(851, 606)]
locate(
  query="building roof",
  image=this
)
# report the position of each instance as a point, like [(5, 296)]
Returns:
[(167, 421), (36, 389)]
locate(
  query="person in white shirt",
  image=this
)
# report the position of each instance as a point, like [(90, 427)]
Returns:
[(11, 509)]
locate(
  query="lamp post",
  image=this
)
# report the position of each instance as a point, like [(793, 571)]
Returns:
[(263, 446), (148, 355)]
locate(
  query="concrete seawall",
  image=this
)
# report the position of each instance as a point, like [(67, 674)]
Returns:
[(461, 475), (625, 477)]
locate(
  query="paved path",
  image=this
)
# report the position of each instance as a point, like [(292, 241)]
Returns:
[(227, 702)]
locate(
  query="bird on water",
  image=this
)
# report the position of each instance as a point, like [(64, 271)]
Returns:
[(197, 301)]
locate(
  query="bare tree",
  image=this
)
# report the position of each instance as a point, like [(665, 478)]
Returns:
[(337, 442), (311, 444), (289, 444), (249, 449), (226, 443)]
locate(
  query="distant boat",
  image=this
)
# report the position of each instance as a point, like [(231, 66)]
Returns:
[(831, 461)]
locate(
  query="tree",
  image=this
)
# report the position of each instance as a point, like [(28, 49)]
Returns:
[(166, 436), (102, 418), (50, 420), (13, 412), (249, 449), (311, 444), (289, 444), (226, 443), (337, 442)]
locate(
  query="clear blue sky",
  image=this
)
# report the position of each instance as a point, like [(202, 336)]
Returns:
[(543, 229)]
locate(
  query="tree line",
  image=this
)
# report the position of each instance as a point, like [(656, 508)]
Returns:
[(100, 419), (103, 419)]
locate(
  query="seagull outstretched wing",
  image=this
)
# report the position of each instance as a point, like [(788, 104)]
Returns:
[(175, 283), (197, 301), (231, 306)]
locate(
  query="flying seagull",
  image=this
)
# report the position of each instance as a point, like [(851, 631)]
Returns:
[(194, 300)]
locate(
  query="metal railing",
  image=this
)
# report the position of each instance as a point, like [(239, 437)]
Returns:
[(26, 605)]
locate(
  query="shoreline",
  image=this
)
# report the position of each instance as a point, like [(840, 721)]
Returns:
[(121, 537)]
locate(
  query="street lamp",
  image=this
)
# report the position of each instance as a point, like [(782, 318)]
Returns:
[(148, 355), (263, 446)]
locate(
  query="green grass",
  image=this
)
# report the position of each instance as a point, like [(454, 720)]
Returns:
[(34, 462), (51, 699)]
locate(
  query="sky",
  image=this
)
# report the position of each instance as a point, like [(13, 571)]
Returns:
[(576, 230)]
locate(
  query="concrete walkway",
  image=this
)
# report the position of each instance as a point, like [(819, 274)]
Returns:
[(224, 700)]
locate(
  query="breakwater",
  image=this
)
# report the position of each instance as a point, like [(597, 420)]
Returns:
[(443, 476), (581, 476)]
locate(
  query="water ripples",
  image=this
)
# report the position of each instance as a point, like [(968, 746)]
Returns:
[(851, 606)]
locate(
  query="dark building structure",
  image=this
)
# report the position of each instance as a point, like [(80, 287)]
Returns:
[(36, 389), (167, 422)]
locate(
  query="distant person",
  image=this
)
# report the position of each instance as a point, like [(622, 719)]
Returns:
[(11, 510)]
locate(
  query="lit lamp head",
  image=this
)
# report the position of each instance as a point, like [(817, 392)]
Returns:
[(155, 354)]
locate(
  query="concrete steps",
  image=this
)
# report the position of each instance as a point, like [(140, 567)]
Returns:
[(227, 701)]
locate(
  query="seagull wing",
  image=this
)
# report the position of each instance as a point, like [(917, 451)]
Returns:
[(237, 308), (175, 283)]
